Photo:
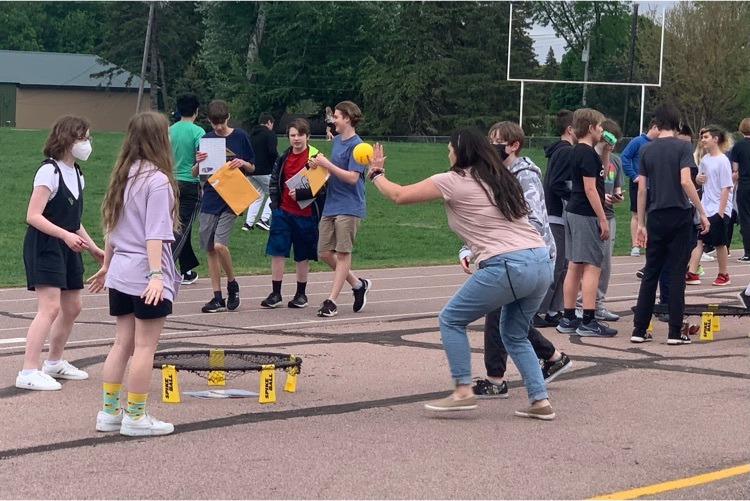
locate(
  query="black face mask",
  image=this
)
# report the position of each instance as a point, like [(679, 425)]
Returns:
[(501, 150)]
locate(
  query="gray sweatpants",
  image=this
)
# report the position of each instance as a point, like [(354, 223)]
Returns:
[(553, 301)]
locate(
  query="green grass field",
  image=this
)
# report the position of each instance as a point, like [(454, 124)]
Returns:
[(390, 235)]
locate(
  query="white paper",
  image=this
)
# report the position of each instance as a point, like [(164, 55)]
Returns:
[(299, 182), (216, 148)]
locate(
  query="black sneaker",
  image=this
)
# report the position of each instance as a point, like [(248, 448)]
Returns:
[(683, 339), (272, 301), (744, 259), (299, 301), (360, 295), (641, 337), (189, 277), (328, 309), (233, 297), (263, 224), (214, 306), (639, 274), (595, 328), (745, 299), (567, 326), (541, 322), (484, 388), (247, 227), (550, 370)]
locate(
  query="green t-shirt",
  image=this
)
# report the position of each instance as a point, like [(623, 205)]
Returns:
[(184, 137)]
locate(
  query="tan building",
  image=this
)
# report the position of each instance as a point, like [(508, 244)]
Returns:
[(36, 88)]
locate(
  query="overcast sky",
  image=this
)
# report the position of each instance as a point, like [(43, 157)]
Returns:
[(544, 38)]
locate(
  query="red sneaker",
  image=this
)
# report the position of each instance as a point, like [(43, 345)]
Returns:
[(692, 278), (722, 279)]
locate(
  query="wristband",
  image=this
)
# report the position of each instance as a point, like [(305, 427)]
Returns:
[(156, 277), (154, 272), (375, 173), (377, 176)]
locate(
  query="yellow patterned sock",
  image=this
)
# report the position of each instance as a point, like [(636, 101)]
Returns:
[(136, 405), (112, 398)]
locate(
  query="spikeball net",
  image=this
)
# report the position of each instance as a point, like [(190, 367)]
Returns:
[(709, 314), (218, 366)]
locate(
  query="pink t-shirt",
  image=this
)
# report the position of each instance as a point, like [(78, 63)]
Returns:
[(146, 215), (480, 224)]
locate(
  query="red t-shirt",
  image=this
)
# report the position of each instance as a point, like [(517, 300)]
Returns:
[(293, 164)]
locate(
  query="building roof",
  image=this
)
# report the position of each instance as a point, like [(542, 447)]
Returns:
[(54, 69)]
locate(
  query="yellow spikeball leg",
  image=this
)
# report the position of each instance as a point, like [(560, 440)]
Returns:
[(291, 377), (170, 391), (267, 389), (715, 323), (650, 325), (216, 359), (707, 332)]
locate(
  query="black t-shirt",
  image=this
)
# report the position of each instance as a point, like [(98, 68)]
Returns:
[(662, 161), (585, 162), (741, 155)]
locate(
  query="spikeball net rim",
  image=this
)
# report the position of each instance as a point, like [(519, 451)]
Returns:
[(240, 361), (724, 310)]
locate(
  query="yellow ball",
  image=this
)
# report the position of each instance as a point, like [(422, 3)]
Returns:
[(361, 152)]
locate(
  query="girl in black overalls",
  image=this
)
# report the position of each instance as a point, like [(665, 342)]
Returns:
[(51, 254)]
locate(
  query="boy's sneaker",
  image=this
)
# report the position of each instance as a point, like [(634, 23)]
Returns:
[(639, 274), (299, 301), (272, 301), (635, 252), (568, 326), (451, 404), (641, 337), (214, 306), (550, 370), (247, 227), (233, 297), (146, 426), (328, 309), (595, 329), (484, 388), (700, 271), (744, 299), (683, 339), (544, 413), (722, 279), (64, 370), (189, 277), (744, 259), (360, 295), (109, 422), (692, 278), (707, 257), (547, 320), (263, 224), (37, 380), (606, 315), (712, 252)]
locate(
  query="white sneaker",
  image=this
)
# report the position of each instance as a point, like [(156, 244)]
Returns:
[(635, 251), (64, 370), (37, 380), (144, 427), (108, 422), (708, 258)]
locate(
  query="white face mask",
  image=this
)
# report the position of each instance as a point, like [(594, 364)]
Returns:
[(81, 150)]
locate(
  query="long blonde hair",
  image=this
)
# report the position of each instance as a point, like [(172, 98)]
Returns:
[(147, 140)]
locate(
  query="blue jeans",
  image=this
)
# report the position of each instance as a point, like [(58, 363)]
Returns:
[(517, 282)]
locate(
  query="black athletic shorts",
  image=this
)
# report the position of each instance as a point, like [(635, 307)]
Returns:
[(125, 304), (717, 231)]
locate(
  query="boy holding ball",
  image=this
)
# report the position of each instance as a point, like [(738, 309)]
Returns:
[(344, 208)]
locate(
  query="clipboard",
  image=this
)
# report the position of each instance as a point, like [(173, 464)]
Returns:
[(234, 188)]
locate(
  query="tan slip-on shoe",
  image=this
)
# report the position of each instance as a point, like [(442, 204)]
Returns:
[(451, 404)]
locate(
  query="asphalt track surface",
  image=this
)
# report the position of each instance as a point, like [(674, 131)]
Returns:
[(672, 421)]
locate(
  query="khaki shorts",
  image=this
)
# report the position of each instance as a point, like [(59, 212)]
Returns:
[(337, 233)]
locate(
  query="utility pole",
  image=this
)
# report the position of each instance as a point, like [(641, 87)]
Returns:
[(585, 59), (633, 29), (145, 56)]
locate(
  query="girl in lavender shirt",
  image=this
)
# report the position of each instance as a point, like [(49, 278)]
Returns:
[(139, 219)]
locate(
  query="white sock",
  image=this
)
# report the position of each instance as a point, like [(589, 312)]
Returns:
[(52, 362), (27, 372), (747, 291), (358, 286)]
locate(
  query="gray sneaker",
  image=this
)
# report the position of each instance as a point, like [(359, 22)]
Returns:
[(567, 326), (595, 329), (606, 315)]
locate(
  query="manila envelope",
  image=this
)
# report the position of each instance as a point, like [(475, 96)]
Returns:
[(234, 188)]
